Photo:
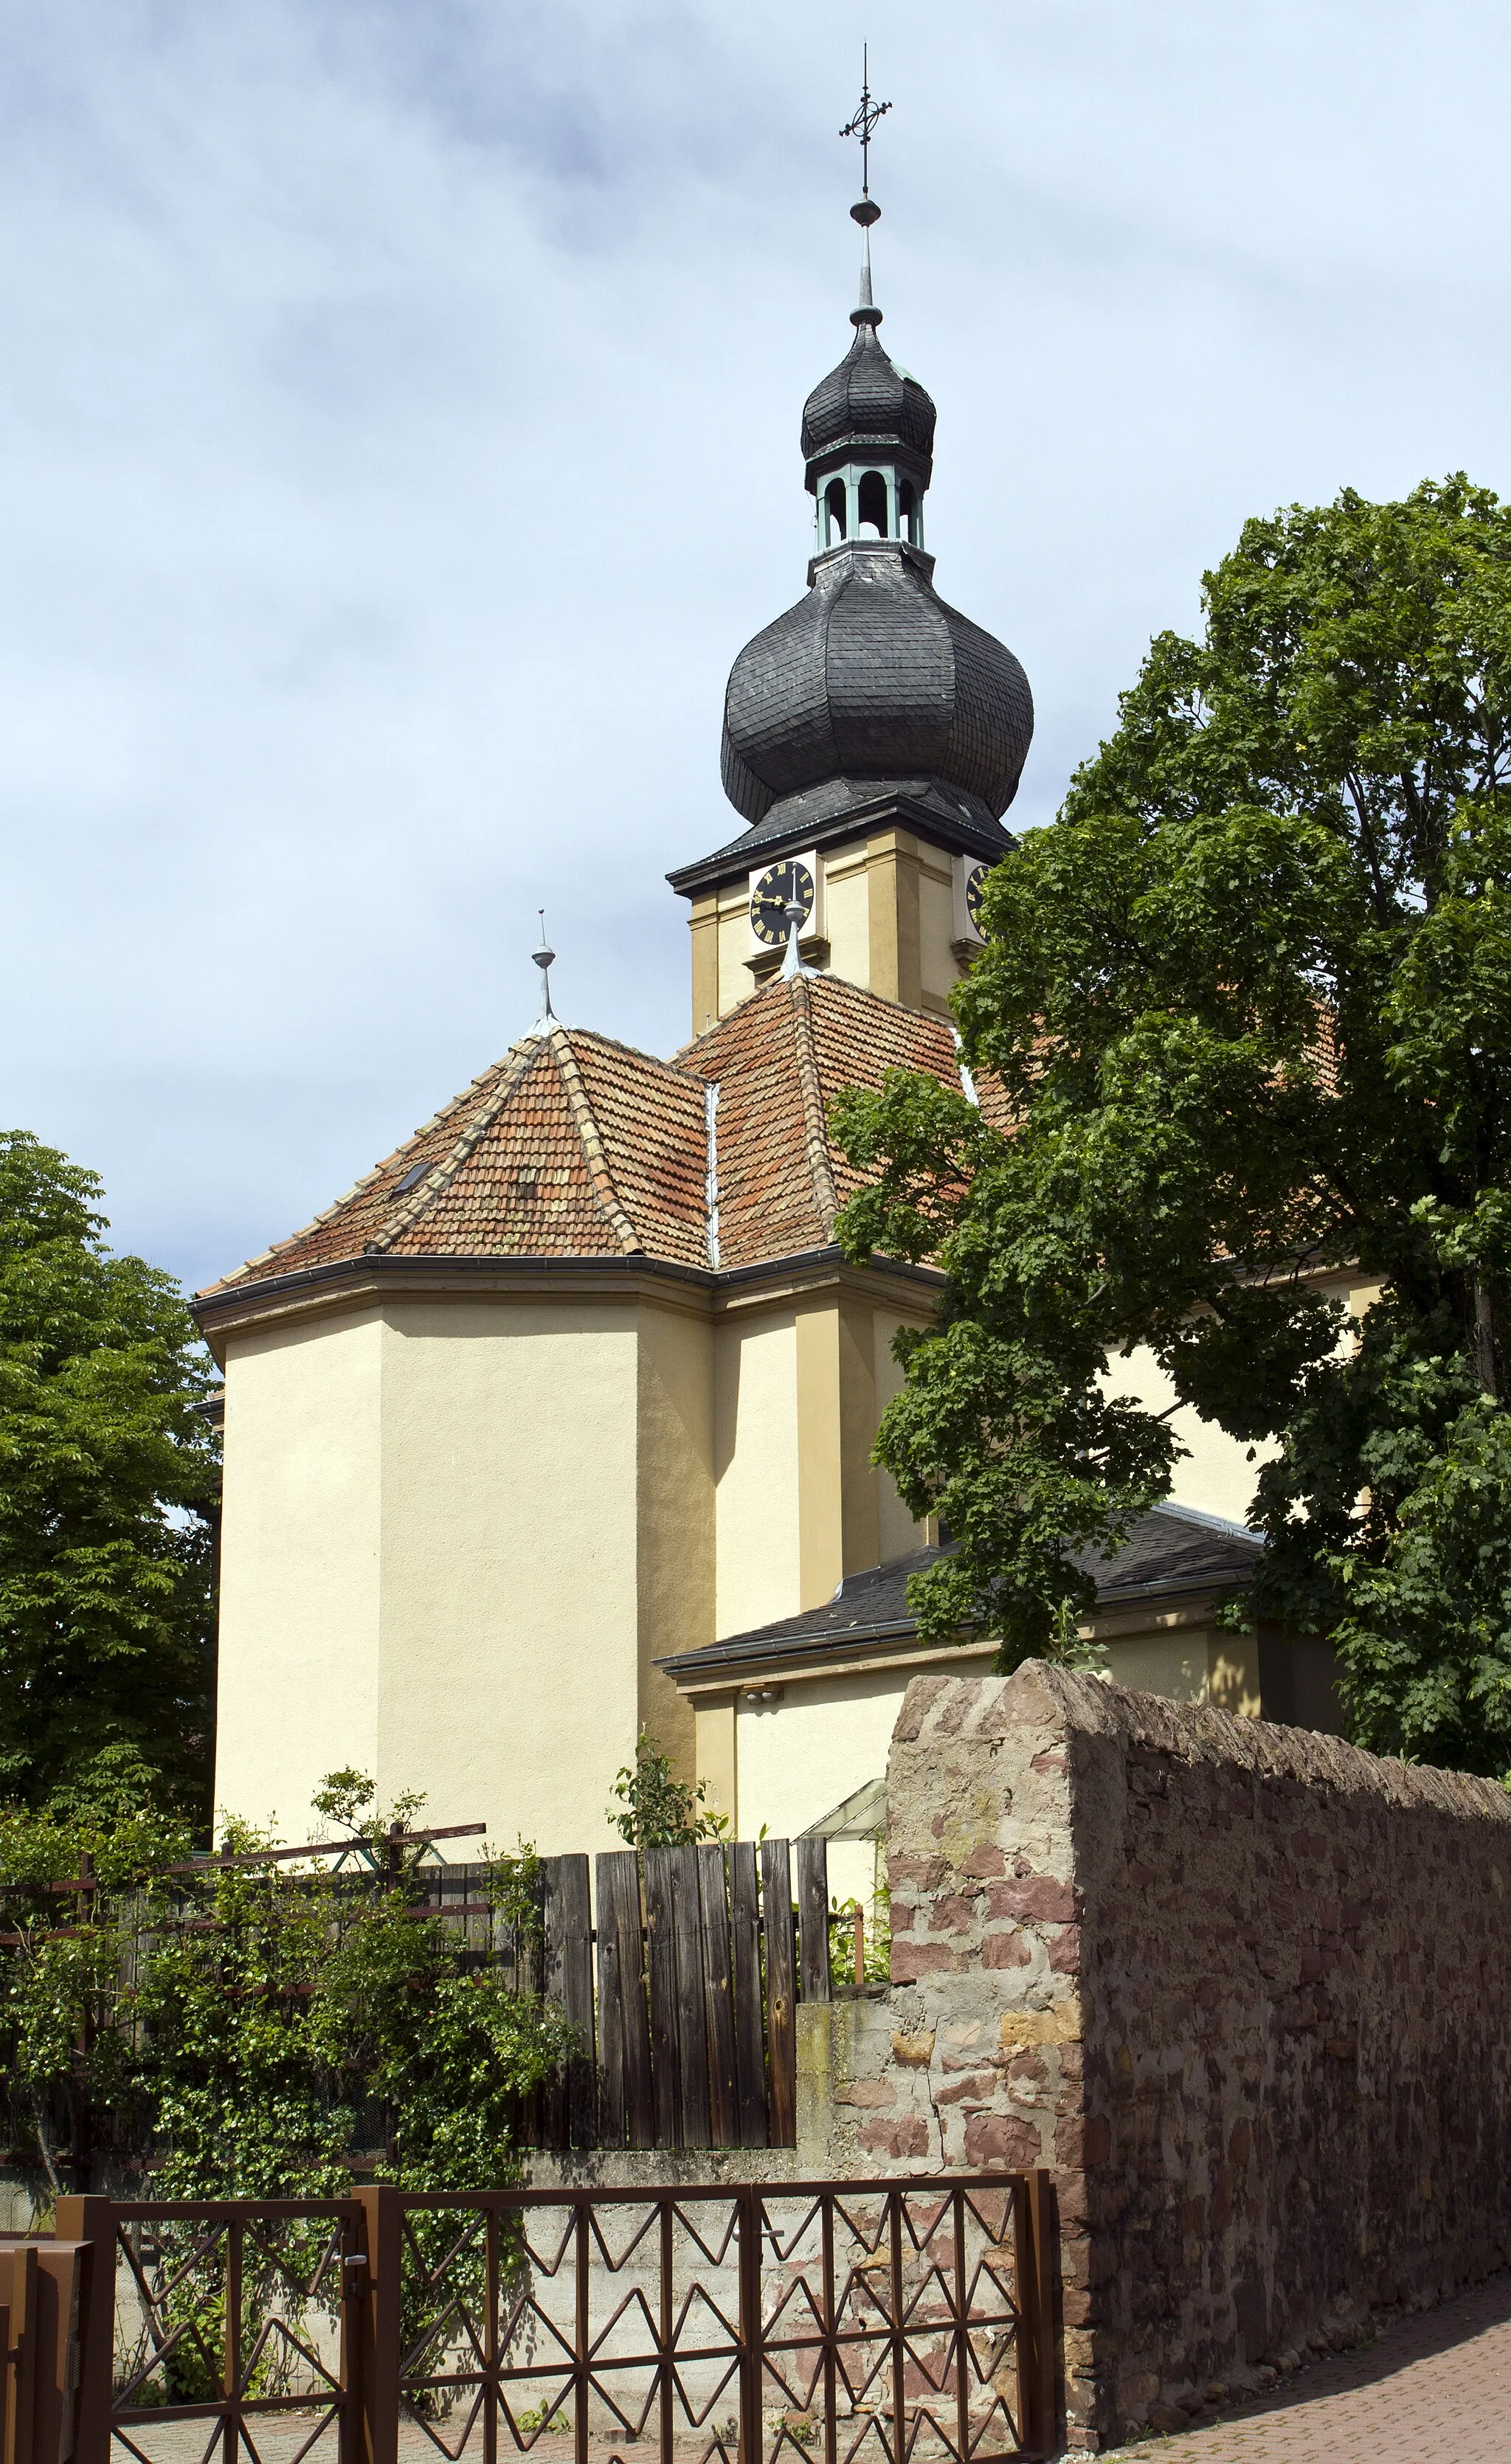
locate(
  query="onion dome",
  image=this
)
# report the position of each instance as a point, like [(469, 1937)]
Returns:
[(871, 683), (867, 399)]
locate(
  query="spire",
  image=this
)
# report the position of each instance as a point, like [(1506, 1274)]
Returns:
[(792, 964), (866, 212), (544, 958)]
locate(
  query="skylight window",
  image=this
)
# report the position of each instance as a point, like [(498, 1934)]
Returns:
[(412, 1178)]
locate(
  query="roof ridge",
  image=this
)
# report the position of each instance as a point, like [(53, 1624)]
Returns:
[(591, 1139), (816, 1142), (636, 1052), (444, 1171)]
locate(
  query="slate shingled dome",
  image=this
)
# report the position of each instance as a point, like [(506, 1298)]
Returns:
[(873, 680), (865, 397)]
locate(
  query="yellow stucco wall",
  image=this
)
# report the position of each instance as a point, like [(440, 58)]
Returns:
[(737, 982), (1191, 1664), (300, 1565), (847, 915), (677, 1570), (510, 1642), (888, 917), (798, 1757), (1217, 1474), (897, 1533), (456, 1535), (939, 969), (755, 1468)]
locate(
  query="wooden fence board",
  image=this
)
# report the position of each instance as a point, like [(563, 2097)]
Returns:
[(623, 1915), (661, 1968), (724, 2116), (611, 2113), (692, 2025), (812, 1859), (572, 2112), (750, 2045), (781, 2035)]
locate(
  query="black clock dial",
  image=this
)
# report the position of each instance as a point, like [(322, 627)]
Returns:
[(975, 883), (770, 920)]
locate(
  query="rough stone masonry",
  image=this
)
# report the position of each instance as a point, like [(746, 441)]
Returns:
[(1244, 1989)]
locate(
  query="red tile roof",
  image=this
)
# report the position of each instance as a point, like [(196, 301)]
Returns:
[(576, 1146)]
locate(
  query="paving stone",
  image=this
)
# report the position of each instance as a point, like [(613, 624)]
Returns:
[(1434, 2391)]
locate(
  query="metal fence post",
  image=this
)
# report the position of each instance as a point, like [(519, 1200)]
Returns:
[(20, 2358), (749, 2322), (92, 2219), (1034, 2273), (378, 2341)]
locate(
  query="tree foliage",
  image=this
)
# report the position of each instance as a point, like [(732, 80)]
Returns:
[(248, 2028), (1248, 1004), (107, 1486)]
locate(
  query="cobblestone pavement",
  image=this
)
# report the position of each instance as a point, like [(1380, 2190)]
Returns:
[(1434, 2391)]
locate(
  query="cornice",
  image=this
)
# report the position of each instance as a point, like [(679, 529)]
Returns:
[(369, 1280), (731, 863)]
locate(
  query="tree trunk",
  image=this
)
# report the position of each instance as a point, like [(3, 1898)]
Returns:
[(1485, 1339)]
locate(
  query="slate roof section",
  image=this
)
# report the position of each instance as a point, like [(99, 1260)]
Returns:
[(867, 400), (575, 1146), (873, 676), (1171, 1550)]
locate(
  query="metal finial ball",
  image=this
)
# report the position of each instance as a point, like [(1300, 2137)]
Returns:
[(866, 212), (543, 957)]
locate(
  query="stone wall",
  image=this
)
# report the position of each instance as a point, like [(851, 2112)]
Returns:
[(1242, 1987)]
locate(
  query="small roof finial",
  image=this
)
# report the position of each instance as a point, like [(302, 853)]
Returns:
[(544, 957), (867, 211)]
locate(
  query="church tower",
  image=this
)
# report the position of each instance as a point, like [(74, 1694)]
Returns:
[(873, 736)]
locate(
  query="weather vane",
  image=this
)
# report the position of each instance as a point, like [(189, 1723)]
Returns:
[(865, 120)]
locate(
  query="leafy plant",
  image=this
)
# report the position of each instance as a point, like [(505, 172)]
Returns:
[(658, 1810), (247, 2027)]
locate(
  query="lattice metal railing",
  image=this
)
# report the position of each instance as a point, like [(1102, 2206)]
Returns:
[(237, 2316), (837, 2322)]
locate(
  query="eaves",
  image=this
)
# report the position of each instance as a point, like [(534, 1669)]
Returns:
[(344, 1283)]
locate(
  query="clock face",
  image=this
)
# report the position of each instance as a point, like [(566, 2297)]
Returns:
[(975, 883), (768, 917)]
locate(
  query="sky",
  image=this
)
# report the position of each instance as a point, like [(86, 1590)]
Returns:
[(399, 416)]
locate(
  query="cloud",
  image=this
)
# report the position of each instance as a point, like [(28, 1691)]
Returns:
[(398, 442)]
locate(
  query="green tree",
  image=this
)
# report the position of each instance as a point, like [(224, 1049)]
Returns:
[(107, 1486), (1245, 1017)]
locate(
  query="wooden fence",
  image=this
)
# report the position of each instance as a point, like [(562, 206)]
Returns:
[(683, 1995)]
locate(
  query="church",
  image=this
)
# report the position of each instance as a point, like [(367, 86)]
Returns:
[(558, 1424)]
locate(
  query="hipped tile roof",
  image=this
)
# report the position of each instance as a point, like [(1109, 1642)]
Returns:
[(575, 1146)]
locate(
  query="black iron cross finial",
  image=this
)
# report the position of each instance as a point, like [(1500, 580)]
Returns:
[(867, 115)]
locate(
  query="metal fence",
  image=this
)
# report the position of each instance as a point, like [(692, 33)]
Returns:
[(907, 2321)]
